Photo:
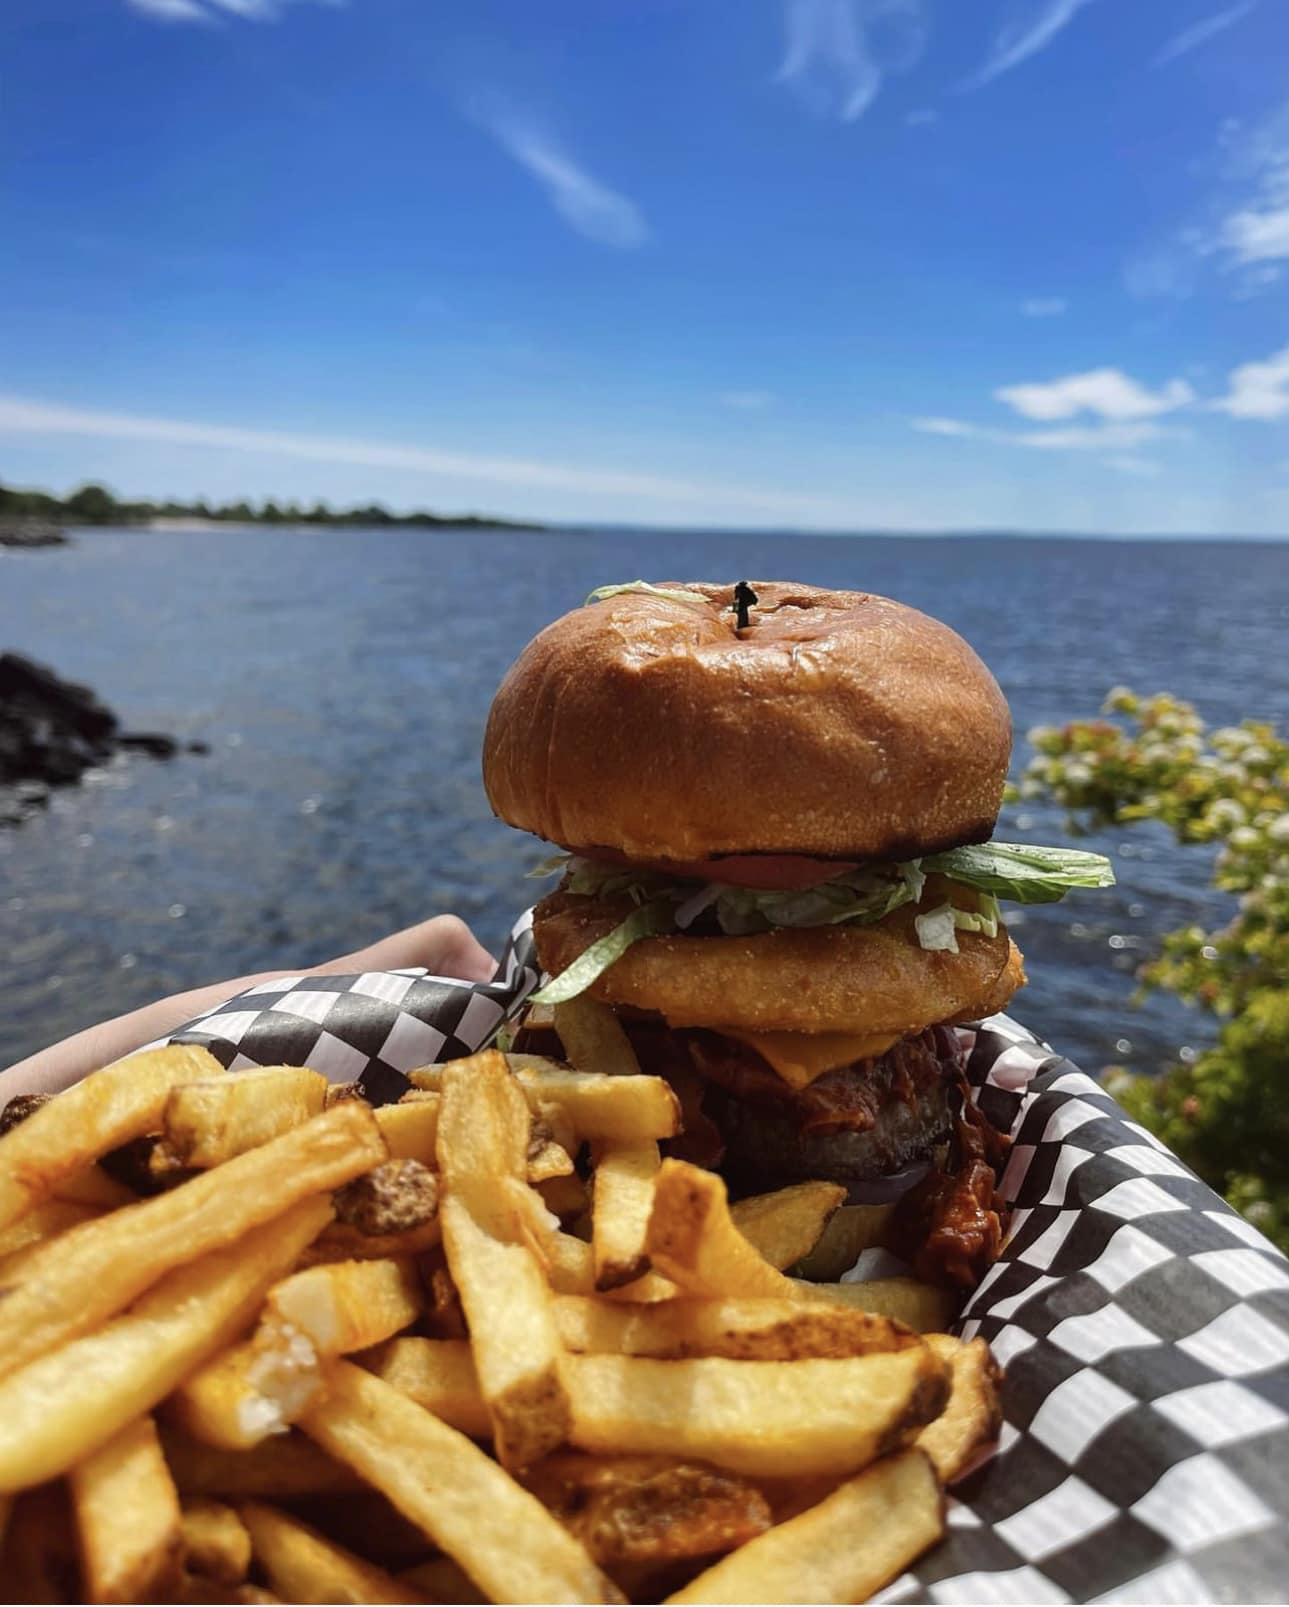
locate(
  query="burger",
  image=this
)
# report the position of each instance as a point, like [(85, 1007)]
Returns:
[(774, 805)]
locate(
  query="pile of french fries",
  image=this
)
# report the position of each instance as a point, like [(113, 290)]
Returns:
[(483, 1344)]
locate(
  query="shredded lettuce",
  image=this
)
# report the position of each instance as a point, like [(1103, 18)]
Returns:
[(938, 929), (1022, 872), (674, 593), (593, 962)]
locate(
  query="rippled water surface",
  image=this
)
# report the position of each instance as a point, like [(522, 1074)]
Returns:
[(342, 679)]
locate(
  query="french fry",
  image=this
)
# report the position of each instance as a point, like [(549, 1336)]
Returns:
[(442, 1580), (502, 1536), (570, 1269), (438, 1374), (303, 1565), (93, 1271), (973, 1414), (617, 1109), (483, 1140), (920, 1306), (106, 1109), (284, 1468), (565, 1197), (742, 1330), (845, 1549), (643, 1511), (851, 1231), (44, 1221), (786, 1225), (410, 1128), (622, 1198), (247, 1393), (59, 1409), (343, 1306), (215, 1541), (208, 1121), (756, 1417), (340, 1242), (39, 1562), (127, 1518), (93, 1187), (693, 1241), (593, 1038), (547, 1157)]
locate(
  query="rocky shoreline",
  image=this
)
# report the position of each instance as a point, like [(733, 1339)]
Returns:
[(32, 533), (52, 731)]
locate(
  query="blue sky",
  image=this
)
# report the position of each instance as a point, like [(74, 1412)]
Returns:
[(825, 263)]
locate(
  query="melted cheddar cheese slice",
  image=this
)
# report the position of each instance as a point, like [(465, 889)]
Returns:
[(800, 1057)]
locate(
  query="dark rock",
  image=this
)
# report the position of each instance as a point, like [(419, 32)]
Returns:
[(30, 533), (197, 747), (26, 684), (153, 742)]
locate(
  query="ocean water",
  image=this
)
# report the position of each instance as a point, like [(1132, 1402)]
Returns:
[(342, 679)]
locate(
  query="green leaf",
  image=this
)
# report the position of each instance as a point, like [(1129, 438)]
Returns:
[(673, 593), (548, 867), (1023, 872), (593, 962)]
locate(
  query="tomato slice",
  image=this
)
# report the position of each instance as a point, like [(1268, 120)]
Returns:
[(778, 873)]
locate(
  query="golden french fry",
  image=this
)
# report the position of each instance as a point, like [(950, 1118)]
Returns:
[(483, 1142), (622, 1198), (340, 1242), (507, 1542), (303, 1565), (43, 1222), (59, 1409), (547, 1158), (693, 1241), (39, 1558), (570, 1270), (920, 1306), (127, 1518), (438, 1374), (786, 1225), (643, 1511), (742, 1330), (93, 1271), (342, 1306), (208, 1121), (845, 1549), (215, 1541), (973, 1414), (852, 1230), (282, 1468), (246, 1393), (616, 1109), (410, 1128), (565, 1197), (93, 1187), (442, 1580), (593, 1038), (105, 1109), (756, 1417)]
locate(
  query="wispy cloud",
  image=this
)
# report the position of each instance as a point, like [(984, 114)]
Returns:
[(1199, 33), (838, 51), (921, 117), (590, 208), (1107, 393), (1031, 28), (1108, 437), (1044, 307), (212, 10), (1258, 390), (19, 415), (747, 401)]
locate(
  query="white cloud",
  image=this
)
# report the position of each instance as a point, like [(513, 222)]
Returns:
[(1258, 390), (1199, 33), (1044, 307), (838, 51), (1032, 29), (210, 10), (20, 416), (1104, 391), (587, 206), (1257, 236), (748, 401), (1117, 439)]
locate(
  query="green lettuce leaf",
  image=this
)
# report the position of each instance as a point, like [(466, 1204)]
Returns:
[(593, 962), (1022, 872), (674, 593)]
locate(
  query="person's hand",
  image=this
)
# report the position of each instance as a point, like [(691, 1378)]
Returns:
[(445, 946)]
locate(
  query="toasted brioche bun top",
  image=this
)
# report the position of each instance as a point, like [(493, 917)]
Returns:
[(837, 724)]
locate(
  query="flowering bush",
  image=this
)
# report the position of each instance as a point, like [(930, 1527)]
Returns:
[(1227, 1112)]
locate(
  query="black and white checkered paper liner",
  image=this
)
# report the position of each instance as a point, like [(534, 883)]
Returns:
[(1143, 1325)]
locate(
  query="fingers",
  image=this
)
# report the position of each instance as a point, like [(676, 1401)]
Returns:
[(444, 945)]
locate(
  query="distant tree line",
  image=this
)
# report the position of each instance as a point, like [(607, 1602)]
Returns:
[(96, 505)]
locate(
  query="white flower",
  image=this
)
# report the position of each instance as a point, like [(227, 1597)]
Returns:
[(1226, 812), (1278, 830), (1243, 837), (1078, 774)]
